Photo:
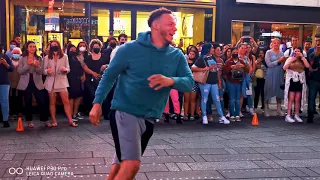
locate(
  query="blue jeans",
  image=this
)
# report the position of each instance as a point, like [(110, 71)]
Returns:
[(4, 101), (234, 98), (205, 90), (250, 101)]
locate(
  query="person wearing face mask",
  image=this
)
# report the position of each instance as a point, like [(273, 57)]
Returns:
[(16, 98), (83, 51), (234, 71), (13, 44), (122, 38), (56, 67), (112, 45), (30, 69), (5, 67), (76, 79), (94, 66)]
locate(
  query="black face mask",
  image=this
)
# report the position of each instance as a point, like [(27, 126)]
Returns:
[(121, 43), (234, 56), (73, 54), (54, 48), (113, 45), (96, 50)]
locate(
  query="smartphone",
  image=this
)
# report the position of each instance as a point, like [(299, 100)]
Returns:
[(294, 54), (246, 39)]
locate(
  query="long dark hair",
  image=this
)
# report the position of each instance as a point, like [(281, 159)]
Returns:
[(190, 47), (60, 52), (26, 52), (85, 54), (225, 57), (68, 49), (196, 53)]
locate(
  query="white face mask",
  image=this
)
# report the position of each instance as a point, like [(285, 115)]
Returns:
[(15, 63), (82, 49)]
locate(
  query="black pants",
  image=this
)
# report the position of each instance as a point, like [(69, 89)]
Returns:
[(106, 105), (226, 100), (16, 101), (40, 97), (259, 91)]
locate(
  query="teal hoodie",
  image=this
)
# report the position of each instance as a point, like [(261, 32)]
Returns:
[(132, 65)]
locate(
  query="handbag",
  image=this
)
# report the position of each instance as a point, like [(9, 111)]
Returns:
[(259, 73), (201, 76), (237, 74)]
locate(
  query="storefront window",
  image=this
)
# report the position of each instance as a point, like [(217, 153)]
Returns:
[(263, 32), (142, 22), (122, 23), (102, 17), (37, 21)]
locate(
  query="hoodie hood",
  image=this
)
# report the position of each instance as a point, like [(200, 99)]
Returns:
[(145, 39)]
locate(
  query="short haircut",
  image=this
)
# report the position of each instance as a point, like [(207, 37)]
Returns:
[(13, 41), (122, 35), (156, 14), (93, 42), (309, 41)]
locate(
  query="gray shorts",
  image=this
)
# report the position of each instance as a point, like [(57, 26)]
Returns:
[(130, 135)]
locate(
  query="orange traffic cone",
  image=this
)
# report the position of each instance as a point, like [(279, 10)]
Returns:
[(20, 126), (255, 120)]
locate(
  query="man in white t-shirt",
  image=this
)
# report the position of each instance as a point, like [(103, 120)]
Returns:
[(122, 38), (294, 44)]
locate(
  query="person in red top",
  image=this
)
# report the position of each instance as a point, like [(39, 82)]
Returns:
[(234, 82)]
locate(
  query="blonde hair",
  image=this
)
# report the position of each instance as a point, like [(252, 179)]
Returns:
[(93, 42)]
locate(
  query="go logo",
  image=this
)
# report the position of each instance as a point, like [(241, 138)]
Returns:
[(17, 171)]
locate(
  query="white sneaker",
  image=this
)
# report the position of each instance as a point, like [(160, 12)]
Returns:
[(298, 119), (224, 120), (238, 119), (228, 115), (205, 120), (251, 110), (289, 119), (241, 115), (232, 118)]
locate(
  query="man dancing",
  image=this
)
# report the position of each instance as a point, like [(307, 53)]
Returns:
[(146, 69)]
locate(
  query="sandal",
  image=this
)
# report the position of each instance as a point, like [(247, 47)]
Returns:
[(47, 124), (30, 125), (73, 124), (54, 125)]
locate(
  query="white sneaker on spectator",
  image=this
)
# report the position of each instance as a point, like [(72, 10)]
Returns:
[(289, 119), (205, 120), (298, 119), (228, 115), (251, 110), (224, 120)]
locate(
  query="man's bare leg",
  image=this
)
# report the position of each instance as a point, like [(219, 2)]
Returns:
[(128, 170), (113, 171)]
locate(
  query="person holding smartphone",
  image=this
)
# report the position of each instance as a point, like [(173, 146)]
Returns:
[(6, 66)]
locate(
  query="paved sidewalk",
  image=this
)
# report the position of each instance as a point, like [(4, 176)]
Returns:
[(274, 150)]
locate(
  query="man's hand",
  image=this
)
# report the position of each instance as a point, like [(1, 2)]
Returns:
[(159, 81), (95, 114)]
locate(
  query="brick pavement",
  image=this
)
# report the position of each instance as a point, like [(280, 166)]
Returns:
[(274, 150)]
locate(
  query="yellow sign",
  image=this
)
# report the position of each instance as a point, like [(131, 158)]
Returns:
[(37, 39), (75, 42), (56, 36)]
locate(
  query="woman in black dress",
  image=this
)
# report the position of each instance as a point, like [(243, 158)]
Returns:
[(76, 79)]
